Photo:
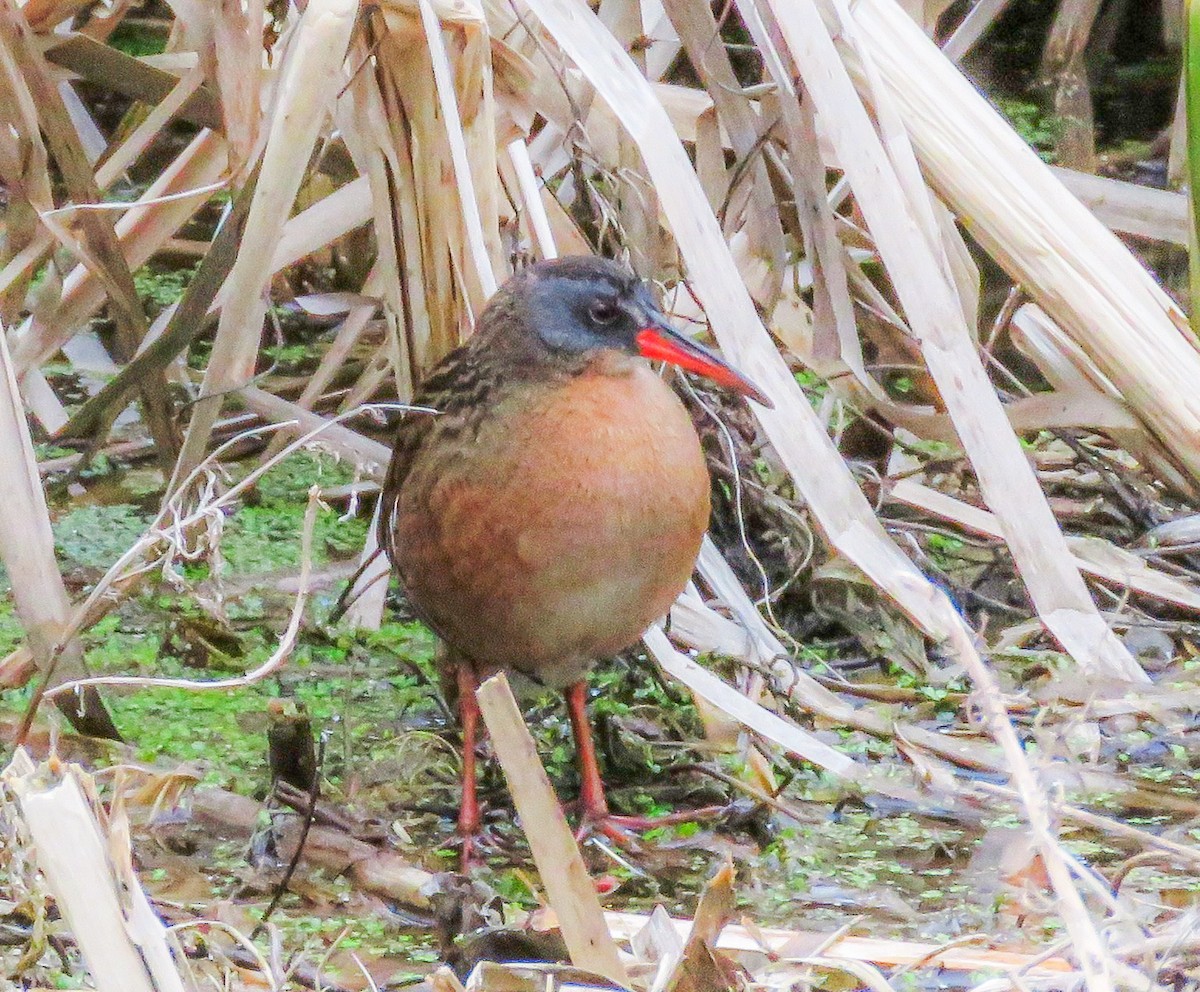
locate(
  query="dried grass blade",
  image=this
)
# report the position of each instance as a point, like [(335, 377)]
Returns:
[(754, 717), (309, 82), (910, 244), (1093, 555), (27, 550), (895, 953), (476, 241), (121, 157), (698, 626), (1049, 242), (531, 194)]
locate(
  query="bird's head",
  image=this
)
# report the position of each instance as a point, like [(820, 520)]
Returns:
[(579, 305)]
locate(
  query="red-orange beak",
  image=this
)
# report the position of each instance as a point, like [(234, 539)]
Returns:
[(660, 342)]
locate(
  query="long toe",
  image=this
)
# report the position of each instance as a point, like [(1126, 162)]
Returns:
[(473, 850), (611, 827), (624, 831)]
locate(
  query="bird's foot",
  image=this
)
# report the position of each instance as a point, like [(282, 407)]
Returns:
[(475, 839), (469, 856), (474, 848), (478, 842), (624, 830), (611, 827)]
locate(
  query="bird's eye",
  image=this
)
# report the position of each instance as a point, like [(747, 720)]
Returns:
[(604, 311)]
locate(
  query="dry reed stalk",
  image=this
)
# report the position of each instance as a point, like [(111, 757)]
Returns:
[(21, 265), (23, 163), (236, 64), (1064, 68), (443, 58), (370, 456), (314, 227), (438, 228), (827, 339), (310, 78), (1046, 240), (884, 177), (697, 28), (27, 550), (89, 868), (362, 117), (560, 865), (98, 245), (1127, 207), (365, 611), (982, 16), (142, 230), (347, 335), (476, 202), (531, 195)]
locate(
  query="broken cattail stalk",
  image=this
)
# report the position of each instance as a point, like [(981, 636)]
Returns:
[(89, 869)]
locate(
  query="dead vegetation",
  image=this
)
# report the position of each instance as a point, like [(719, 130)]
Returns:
[(976, 494)]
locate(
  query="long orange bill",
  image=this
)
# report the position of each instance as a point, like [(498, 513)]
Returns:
[(660, 342)]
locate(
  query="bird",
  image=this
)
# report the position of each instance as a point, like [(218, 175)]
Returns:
[(553, 507)]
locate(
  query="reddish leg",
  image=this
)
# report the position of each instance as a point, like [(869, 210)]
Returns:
[(593, 806), (469, 818)]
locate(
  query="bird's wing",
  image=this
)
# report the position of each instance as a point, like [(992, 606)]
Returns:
[(441, 390)]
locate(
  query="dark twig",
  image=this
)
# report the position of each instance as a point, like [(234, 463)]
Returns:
[(758, 795), (309, 816), (346, 600), (1138, 508)]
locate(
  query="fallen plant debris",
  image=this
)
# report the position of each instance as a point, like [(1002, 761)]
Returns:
[(80, 847)]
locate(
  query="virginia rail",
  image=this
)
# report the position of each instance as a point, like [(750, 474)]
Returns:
[(553, 508)]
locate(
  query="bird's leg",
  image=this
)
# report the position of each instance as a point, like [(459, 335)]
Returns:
[(593, 806), (469, 818)]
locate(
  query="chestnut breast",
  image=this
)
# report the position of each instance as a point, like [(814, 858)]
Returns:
[(562, 528)]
